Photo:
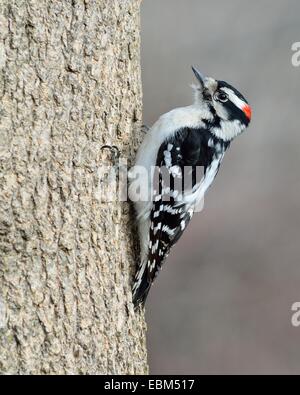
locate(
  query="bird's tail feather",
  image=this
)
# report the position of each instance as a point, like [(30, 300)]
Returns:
[(141, 286)]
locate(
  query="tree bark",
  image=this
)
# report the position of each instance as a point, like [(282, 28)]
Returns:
[(69, 83)]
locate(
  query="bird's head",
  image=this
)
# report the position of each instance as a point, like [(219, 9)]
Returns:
[(228, 111)]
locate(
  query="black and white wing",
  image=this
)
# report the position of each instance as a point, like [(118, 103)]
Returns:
[(176, 190)]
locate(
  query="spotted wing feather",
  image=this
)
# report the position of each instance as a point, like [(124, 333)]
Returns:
[(170, 213)]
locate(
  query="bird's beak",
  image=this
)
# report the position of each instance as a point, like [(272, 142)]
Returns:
[(200, 77)]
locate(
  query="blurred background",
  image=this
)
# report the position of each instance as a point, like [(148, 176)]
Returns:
[(222, 303)]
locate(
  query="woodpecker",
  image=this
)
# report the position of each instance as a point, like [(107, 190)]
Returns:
[(189, 137)]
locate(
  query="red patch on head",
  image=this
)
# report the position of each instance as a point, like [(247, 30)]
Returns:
[(247, 110)]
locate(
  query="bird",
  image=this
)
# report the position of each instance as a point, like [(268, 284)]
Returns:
[(180, 142)]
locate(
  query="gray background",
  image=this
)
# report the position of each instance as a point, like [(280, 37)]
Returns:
[(222, 303)]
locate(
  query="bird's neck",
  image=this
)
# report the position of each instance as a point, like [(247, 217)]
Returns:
[(204, 110)]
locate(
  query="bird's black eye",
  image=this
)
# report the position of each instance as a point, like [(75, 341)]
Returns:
[(221, 96)]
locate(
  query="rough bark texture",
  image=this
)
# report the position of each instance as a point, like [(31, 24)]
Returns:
[(69, 83)]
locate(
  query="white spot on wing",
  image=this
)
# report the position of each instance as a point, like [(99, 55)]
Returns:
[(210, 142), (156, 214), (176, 171), (167, 157), (168, 230), (157, 228)]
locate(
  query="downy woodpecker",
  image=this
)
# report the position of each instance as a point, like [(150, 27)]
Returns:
[(193, 136)]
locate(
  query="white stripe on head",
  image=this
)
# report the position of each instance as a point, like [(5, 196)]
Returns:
[(234, 98), (221, 110)]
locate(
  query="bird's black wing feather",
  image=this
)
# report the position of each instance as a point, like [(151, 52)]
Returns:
[(177, 160)]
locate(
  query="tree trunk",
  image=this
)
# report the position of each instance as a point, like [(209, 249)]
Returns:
[(69, 83)]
